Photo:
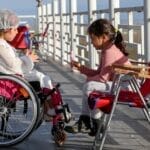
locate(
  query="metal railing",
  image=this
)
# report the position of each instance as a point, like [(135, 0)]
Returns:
[(67, 38)]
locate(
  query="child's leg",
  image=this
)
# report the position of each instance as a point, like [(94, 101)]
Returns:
[(49, 111), (46, 106), (34, 75), (45, 83)]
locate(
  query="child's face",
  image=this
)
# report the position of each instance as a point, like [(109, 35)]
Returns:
[(10, 34), (99, 42)]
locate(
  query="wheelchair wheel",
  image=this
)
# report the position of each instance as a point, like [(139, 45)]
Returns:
[(18, 114)]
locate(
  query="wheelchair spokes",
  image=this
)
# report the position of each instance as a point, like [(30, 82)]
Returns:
[(18, 114)]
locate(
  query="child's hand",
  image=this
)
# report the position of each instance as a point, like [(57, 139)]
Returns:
[(75, 64), (32, 55)]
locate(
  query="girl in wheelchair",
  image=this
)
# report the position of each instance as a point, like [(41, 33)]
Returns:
[(10, 63), (23, 66)]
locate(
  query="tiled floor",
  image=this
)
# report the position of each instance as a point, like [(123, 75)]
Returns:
[(128, 131)]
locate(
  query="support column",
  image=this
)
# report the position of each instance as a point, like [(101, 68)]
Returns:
[(62, 30), (54, 9), (147, 29), (39, 17), (73, 29), (91, 8), (114, 17), (48, 13)]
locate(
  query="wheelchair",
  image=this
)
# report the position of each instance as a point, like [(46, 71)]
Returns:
[(22, 110), (138, 97)]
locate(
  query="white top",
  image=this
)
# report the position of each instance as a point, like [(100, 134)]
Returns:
[(10, 63)]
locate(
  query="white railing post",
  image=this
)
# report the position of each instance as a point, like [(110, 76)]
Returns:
[(130, 22), (54, 6), (43, 46), (114, 17), (73, 29), (62, 30), (38, 17), (92, 52), (39, 20), (48, 12), (142, 41), (112, 5), (43, 17), (147, 29)]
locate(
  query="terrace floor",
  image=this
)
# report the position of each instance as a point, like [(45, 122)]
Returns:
[(129, 129)]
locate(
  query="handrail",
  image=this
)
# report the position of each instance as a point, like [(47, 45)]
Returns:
[(138, 71), (75, 23)]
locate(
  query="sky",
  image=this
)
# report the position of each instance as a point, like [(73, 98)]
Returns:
[(19, 6), (29, 7), (25, 7)]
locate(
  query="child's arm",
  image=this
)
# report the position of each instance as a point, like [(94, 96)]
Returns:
[(32, 55), (85, 70)]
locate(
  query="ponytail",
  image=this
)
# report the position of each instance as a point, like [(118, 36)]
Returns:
[(118, 41)]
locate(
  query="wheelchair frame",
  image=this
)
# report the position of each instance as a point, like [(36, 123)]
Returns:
[(21, 114), (123, 74)]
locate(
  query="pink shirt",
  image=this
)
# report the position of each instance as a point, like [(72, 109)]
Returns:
[(104, 73)]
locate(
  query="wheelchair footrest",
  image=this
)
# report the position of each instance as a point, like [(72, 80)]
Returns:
[(65, 110)]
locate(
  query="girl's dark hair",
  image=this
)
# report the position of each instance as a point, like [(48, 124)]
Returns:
[(103, 26)]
